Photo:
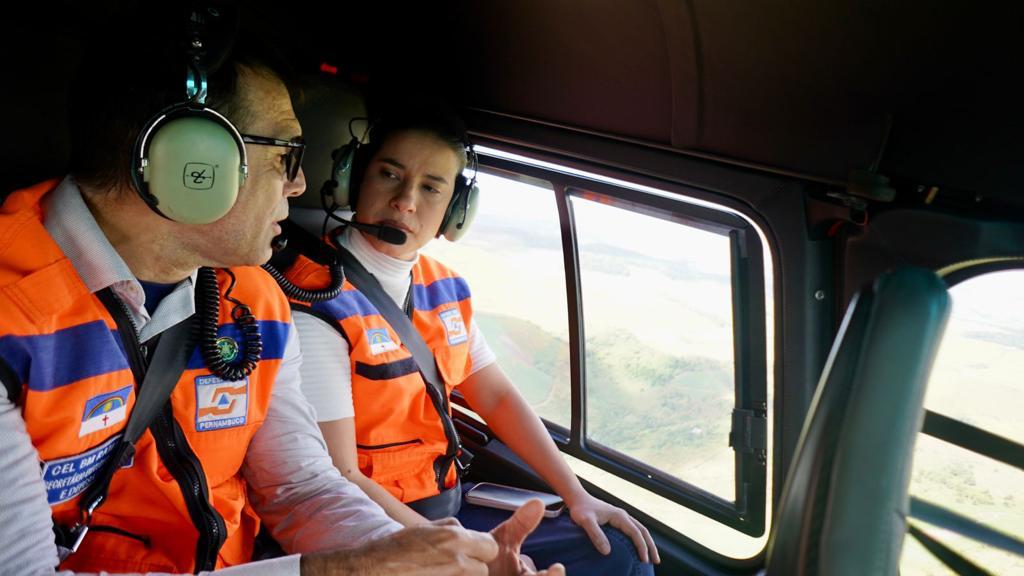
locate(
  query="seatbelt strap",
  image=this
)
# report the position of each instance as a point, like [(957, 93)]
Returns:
[(370, 287), (361, 278), (10, 381), (169, 361)]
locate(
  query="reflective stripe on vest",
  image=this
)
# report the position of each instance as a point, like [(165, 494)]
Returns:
[(78, 390), (398, 432)]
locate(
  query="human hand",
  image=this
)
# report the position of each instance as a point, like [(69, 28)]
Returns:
[(509, 536), (442, 547), (590, 513)]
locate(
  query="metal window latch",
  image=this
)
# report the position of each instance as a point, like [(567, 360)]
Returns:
[(749, 433)]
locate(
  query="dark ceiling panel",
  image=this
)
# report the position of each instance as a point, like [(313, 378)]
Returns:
[(600, 64), (800, 84), (682, 44), (810, 86)]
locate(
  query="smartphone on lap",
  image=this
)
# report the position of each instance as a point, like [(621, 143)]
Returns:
[(511, 498)]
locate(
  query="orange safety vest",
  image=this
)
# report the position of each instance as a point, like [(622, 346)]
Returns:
[(77, 391), (400, 439)]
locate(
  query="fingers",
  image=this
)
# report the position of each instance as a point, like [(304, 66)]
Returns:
[(513, 531), (554, 570), (596, 535), (449, 535), (632, 529), (526, 564), (655, 557), (472, 550), (479, 545), (470, 568)]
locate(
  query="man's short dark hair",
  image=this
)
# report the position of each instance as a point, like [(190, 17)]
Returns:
[(136, 68)]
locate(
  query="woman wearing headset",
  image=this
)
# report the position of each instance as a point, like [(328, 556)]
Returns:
[(381, 428)]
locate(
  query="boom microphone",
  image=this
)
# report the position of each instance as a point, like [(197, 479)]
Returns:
[(280, 242), (382, 233)]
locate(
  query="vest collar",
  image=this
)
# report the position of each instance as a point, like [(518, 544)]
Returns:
[(74, 229), (72, 226), (392, 273)]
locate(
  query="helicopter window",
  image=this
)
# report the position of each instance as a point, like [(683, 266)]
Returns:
[(512, 257), (652, 374), (975, 380)]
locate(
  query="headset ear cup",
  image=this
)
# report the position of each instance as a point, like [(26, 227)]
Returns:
[(462, 212), (342, 173), (193, 168)]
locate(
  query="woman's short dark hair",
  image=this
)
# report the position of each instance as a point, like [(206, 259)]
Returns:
[(430, 117), (135, 69)]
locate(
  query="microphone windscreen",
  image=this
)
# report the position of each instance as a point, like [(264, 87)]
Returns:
[(392, 235), (383, 233)]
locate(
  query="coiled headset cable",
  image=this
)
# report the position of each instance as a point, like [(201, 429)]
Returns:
[(312, 296), (241, 362)]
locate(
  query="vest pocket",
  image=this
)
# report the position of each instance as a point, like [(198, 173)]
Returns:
[(388, 445), (393, 460), (144, 540), (453, 364)]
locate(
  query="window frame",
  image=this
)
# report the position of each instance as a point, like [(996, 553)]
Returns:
[(747, 513), (957, 432)]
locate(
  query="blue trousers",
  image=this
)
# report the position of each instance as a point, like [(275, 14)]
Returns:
[(559, 539)]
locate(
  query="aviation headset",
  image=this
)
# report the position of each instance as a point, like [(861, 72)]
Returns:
[(349, 164), (188, 164), (189, 161)]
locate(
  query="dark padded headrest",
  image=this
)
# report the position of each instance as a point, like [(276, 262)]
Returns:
[(844, 502), (324, 111)]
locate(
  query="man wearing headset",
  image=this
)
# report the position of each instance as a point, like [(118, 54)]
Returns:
[(100, 267), (406, 187)]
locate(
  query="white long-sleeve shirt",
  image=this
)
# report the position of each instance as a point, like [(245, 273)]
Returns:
[(293, 485), (326, 372)]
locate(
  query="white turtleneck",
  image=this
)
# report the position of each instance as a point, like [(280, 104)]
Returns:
[(326, 370)]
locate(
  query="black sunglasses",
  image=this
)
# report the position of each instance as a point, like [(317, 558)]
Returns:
[(292, 158)]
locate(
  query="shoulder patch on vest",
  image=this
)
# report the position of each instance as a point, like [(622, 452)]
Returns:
[(454, 326), (220, 404), (380, 341), (105, 410)]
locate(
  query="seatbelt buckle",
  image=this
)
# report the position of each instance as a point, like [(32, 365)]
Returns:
[(76, 534), (463, 460), (70, 540)]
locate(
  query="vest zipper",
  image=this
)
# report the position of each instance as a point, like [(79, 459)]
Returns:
[(171, 444), (182, 463), (443, 462), (129, 331)]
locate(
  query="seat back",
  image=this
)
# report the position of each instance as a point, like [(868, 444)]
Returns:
[(844, 502), (325, 110)]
